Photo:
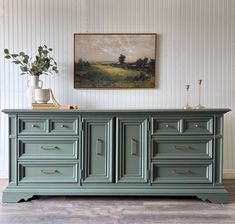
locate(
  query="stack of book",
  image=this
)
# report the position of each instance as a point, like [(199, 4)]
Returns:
[(48, 106), (45, 106)]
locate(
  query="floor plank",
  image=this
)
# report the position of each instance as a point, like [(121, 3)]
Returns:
[(118, 210)]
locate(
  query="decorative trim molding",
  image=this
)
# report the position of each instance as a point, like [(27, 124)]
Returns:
[(229, 174)]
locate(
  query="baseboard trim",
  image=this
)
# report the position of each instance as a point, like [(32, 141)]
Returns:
[(229, 174), (3, 174)]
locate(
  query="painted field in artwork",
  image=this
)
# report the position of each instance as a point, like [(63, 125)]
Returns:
[(115, 65), (106, 76)]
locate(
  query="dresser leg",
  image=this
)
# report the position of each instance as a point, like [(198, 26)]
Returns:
[(9, 197), (217, 198)]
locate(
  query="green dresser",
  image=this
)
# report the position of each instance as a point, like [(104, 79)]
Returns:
[(154, 152)]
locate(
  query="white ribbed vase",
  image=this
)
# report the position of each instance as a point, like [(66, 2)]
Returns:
[(32, 84)]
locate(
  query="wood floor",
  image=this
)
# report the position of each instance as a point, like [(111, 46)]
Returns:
[(117, 210)]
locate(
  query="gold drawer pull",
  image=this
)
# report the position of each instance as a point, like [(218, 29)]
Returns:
[(34, 126), (99, 146), (183, 148), (49, 147), (134, 147), (196, 125), (62, 126), (167, 125), (186, 172), (49, 171)]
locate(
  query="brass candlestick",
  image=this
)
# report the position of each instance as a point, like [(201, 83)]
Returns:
[(199, 106), (187, 106)]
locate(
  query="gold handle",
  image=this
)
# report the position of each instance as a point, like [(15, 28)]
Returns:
[(34, 126), (62, 126), (99, 146), (49, 171), (186, 172), (183, 148), (49, 147), (196, 125), (167, 125), (134, 147)]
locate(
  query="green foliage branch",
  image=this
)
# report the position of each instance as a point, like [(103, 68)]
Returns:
[(43, 63)]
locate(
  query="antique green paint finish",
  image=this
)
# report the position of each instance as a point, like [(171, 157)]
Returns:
[(166, 125), (47, 172), (182, 147), (186, 125), (198, 125), (47, 148), (131, 149), (98, 149), (48, 125), (12, 126), (181, 172), (65, 126), (12, 150), (218, 146), (215, 195), (154, 112), (113, 153), (32, 126)]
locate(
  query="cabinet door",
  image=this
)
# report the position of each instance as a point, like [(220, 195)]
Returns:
[(131, 149), (97, 149)]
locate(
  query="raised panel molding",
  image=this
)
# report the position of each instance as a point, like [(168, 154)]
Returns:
[(131, 149), (98, 149)]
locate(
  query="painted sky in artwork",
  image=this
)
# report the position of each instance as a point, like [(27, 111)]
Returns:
[(107, 48)]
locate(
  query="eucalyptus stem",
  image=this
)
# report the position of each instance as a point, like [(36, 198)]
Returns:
[(43, 62)]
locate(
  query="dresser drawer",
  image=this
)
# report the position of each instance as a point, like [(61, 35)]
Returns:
[(48, 125), (181, 172), (48, 148), (170, 148), (32, 126), (165, 125), (197, 125), (36, 172), (64, 126)]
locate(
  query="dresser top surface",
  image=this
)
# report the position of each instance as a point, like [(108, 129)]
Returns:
[(147, 110)]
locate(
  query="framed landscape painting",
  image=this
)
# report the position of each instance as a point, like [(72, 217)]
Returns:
[(114, 60)]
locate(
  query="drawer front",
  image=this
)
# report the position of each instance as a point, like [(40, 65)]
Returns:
[(44, 148), (47, 173), (198, 125), (64, 126), (32, 126), (48, 125), (181, 172), (165, 125), (196, 148)]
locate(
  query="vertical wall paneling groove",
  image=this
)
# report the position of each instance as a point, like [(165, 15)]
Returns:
[(196, 39), (2, 152)]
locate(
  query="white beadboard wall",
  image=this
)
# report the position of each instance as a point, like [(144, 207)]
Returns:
[(196, 39)]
